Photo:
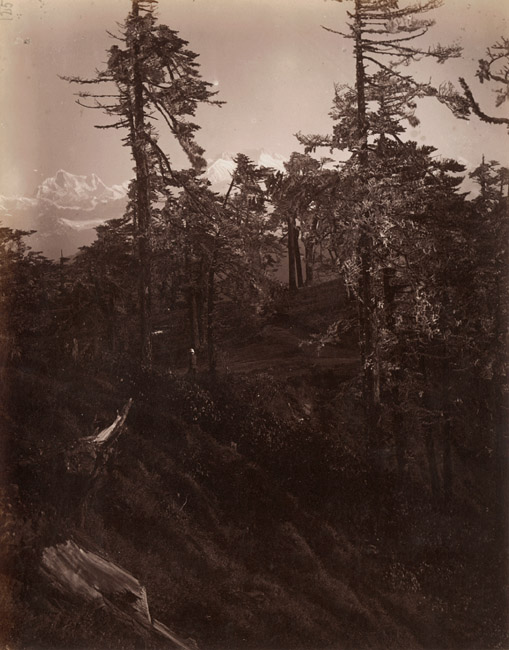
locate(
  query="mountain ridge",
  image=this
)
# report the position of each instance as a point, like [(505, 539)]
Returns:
[(67, 208), (64, 211), (74, 189)]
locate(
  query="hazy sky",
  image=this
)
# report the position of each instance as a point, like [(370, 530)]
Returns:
[(272, 63)]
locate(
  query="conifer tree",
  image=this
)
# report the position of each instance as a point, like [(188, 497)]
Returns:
[(294, 194), (153, 75), (490, 311), (383, 34), (243, 245), (29, 288)]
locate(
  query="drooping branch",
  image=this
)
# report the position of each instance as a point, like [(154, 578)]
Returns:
[(474, 105)]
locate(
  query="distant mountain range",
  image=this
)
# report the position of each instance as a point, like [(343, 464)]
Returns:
[(67, 208), (85, 192), (219, 171), (64, 212)]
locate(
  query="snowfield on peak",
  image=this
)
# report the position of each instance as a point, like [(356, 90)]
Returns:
[(274, 160), (88, 224), (67, 208), (69, 190), (220, 170), (65, 211)]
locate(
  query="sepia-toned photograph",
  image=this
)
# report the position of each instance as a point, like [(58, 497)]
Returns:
[(254, 324)]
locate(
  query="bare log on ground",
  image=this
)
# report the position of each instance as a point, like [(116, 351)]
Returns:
[(75, 572), (88, 455)]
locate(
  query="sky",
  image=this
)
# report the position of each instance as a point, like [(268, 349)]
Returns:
[(270, 60)]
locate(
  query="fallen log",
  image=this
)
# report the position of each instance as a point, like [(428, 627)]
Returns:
[(88, 455), (74, 571), (111, 433)]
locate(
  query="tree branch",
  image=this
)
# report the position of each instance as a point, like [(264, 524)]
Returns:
[(477, 109)]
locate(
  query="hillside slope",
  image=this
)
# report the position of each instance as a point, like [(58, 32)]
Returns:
[(239, 503)]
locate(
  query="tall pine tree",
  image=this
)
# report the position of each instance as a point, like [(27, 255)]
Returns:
[(153, 76), (384, 97)]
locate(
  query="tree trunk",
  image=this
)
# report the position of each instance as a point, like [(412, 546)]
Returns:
[(398, 429), (193, 319), (292, 283), (200, 304), (211, 344), (298, 261), (367, 302), (201, 297), (394, 393), (309, 249), (143, 216), (445, 430), (360, 86), (501, 425), (112, 325), (367, 344), (389, 295), (429, 440), (500, 408)]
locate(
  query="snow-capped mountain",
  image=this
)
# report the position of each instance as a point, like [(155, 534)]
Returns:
[(65, 211), (274, 160), (68, 190), (219, 171), (66, 208)]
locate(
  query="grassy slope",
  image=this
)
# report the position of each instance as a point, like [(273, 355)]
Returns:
[(256, 544)]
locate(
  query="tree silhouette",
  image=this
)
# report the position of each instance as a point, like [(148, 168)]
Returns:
[(154, 76)]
